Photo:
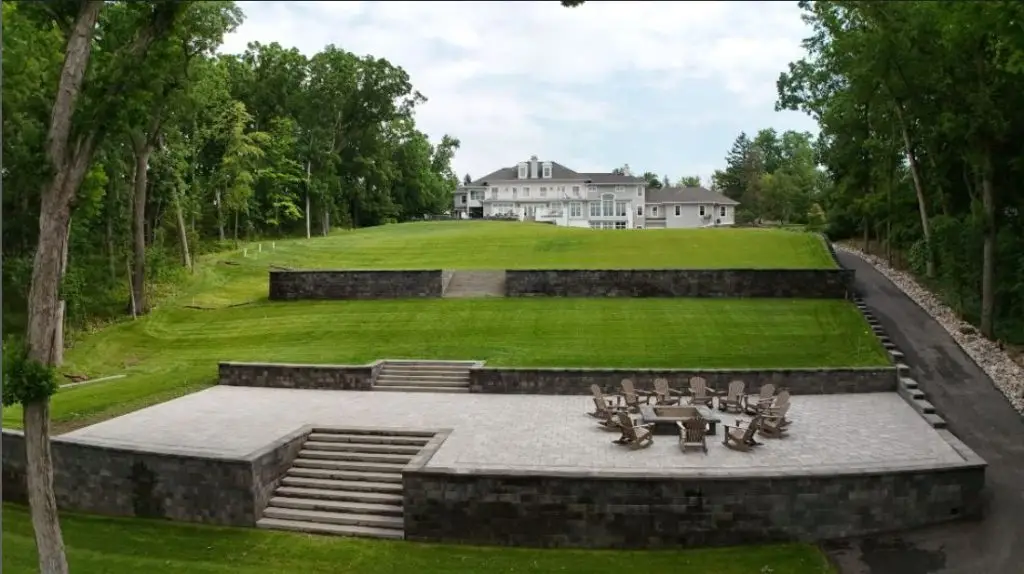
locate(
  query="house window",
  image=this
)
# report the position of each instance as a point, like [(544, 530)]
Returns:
[(654, 211), (475, 195), (621, 209), (576, 190), (639, 191), (723, 211), (494, 194), (702, 211), (526, 191), (522, 171), (607, 205), (575, 209), (678, 210), (620, 188), (620, 225), (640, 210), (591, 188), (543, 192), (547, 170), (595, 209)]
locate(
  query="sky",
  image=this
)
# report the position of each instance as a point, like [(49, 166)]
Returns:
[(661, 86)]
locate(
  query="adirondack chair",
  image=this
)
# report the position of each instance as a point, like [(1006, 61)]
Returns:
[(665, 395), (741, 437), (732, 402), (778, 402), (634, 398), (775, 426), (633, 435), (604, 406), (765, 396), (701, 393), (693, 434)]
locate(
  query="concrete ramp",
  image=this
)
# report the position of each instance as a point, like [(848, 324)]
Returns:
[(490, 283)]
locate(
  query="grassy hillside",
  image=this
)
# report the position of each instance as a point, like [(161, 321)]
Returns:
[(513, 245)]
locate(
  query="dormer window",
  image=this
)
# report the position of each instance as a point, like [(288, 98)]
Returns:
[(522, 170), (546, 173)]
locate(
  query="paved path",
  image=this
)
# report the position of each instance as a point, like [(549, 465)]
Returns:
[(978, 413)]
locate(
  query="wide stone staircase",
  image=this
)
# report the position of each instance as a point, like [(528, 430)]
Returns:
[(476, 284), (424, 376), (345, 482)]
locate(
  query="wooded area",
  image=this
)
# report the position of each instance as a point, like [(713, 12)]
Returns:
[(191, 148)]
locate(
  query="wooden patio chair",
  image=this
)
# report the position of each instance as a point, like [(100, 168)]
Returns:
[(604, 406), (732, 402), (778, 402), (764, 397), (634, 398), (775, 426), (633, 435), (741, 437), (693, 434), (665, 395), (700, 392)]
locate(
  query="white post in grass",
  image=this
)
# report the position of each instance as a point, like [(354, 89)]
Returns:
[(259, 247), (245, 253)]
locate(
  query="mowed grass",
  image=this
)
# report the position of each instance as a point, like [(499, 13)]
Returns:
[(128, 546), (515, 245), (175, 350)]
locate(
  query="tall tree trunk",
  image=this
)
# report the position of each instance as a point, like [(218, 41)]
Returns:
[(45, 309), (186, 260), (235, 235), (309, 215), (988, 203), (922, 202), (143, 146), (220, 213)]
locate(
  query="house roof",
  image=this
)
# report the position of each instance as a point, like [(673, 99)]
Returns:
[(687, 195), (559, 171)]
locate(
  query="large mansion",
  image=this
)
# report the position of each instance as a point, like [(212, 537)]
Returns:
[(549, 192)]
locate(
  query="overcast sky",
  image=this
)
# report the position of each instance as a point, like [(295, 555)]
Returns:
[(662, 86)]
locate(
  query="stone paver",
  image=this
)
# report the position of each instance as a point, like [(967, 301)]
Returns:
[(526, 431)]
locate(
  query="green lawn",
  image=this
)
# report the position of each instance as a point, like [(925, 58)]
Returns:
[(112, 546), (513, 245), (175, 350)]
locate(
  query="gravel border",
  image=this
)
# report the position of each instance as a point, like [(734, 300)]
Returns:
[(1007, 375)]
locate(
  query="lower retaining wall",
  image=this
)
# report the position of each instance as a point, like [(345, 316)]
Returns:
[(370, 284), (781, 283), (192, 487), (577, 381), (597, 509), (298, 376)]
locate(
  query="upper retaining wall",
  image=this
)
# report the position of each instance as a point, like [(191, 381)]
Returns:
[(778, 283), (350, 284), (552, 381), (596, 508), (560, 381), (187, 486)]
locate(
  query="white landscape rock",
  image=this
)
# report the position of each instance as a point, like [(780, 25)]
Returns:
[(1007, 375)]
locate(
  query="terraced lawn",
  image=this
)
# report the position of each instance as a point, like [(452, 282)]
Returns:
[(176, 349), (515, 245), (125, 546)]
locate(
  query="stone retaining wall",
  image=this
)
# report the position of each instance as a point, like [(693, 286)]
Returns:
[(190, 487), (550, 381), (779, 283), (298, 376), (599, 509), (352, 284)]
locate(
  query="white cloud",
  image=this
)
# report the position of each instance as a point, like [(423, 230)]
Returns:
[(511, 79)]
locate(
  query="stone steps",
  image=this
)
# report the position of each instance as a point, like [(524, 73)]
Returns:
[(476, 284), (345, 482), (423, 376)]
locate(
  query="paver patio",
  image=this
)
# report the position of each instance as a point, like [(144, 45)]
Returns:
[(526, 431)]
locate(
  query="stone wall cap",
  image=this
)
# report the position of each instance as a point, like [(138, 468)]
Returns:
[(613, 370), (312, 271), (296, 365)]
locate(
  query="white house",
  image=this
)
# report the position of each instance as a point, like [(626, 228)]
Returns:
[(547, 191)]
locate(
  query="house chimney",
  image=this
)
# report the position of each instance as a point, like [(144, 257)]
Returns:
[(534, 174), (625, 170)]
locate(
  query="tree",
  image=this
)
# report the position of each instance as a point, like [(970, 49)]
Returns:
[(689, 181), (77, 126), (467, 180)]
